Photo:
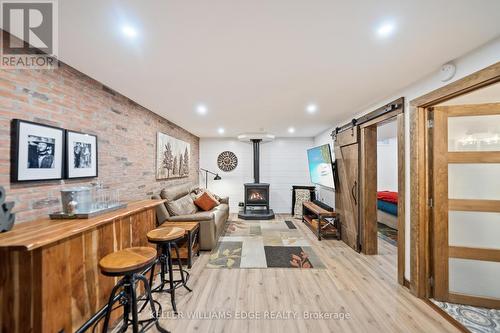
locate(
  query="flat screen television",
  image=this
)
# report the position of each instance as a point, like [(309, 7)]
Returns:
[(320, 166)]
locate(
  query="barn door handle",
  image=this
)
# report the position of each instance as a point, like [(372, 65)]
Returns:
[(353, 192)]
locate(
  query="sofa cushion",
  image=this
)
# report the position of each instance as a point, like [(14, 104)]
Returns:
[(197, 191), (206, 202), (214, 195), (161, 211), (198, 216), (195, 194), (172, 193), (182, 206)]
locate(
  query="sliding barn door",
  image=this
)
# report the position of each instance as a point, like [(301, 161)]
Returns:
[(347, 193), (465, 232)]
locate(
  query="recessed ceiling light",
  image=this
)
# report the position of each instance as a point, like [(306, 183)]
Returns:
[(201, 109), (291, 130), (129, 31), (220, 130), (386, 29), (312, 108)]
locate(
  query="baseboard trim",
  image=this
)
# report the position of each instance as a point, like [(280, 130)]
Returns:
[(446, 316)]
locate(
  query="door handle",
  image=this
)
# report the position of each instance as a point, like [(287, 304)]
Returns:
[(353, 193)]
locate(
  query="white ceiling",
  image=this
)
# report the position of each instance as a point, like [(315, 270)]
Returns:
[(256, 64)]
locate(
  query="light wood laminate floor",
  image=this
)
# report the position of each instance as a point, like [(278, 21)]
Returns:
[(364, 287)]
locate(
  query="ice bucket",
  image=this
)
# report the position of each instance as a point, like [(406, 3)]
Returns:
[(81, 195)]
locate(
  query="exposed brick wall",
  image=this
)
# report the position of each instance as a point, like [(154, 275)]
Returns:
[(69, 99)]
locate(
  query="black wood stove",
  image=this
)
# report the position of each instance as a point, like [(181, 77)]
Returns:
[(256, 193)]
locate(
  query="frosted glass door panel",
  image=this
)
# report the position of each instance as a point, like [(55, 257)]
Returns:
[(474, 229), (474, 181), (474, 133), (474, 277)]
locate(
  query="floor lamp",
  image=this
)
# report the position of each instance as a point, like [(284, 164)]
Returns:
[(217, 177)]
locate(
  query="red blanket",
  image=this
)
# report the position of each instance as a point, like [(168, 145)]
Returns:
[(388, 196)]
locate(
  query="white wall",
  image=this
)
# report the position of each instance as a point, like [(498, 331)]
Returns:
[(476, 60), (387, 165), (283, 163), (387, 157)]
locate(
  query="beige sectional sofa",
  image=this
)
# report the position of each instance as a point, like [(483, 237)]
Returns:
[(212, 223)]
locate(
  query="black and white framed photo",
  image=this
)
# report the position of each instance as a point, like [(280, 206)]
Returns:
[(81, 155), (38, 151)]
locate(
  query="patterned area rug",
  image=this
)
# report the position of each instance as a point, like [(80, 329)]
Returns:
[(388, 234), (263, 244), (475, 319)]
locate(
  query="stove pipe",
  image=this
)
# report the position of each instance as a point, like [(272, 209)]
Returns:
[(256, 161)]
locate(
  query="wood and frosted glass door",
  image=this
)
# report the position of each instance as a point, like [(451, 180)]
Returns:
[(465, 231)]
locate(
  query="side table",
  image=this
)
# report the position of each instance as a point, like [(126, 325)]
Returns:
[(191, 244)]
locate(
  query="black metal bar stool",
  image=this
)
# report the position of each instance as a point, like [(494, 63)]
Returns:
[(129, 263), (166, 238)]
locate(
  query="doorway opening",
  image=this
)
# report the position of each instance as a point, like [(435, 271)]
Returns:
[(455, 140), (382, 189), (355, 146), (465, 187), (387, 187)]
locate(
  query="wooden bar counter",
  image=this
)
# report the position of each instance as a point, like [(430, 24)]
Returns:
[(49, 275)]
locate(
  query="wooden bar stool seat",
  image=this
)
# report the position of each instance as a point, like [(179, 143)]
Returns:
[(165, 234), (166, 238), (129, 260), (130, 263)]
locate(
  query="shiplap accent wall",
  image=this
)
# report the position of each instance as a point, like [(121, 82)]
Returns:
[(283, 163)]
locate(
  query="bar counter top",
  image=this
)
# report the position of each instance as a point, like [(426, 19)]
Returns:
[(38, 233)]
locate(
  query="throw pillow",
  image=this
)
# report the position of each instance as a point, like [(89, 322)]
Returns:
[(206, 202), (196, 195), (182, 206), (196, 192), (215, 196)]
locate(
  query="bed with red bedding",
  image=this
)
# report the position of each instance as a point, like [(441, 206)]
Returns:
[(387, 205)]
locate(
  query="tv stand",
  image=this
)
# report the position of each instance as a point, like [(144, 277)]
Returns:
[(321, 219), (322, 205)]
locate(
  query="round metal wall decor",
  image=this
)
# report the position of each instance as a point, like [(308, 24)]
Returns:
[(227, 161)]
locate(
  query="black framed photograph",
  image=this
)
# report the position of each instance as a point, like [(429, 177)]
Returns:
[(37, 151), (81, 155)]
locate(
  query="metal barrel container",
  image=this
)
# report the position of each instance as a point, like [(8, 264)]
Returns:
[(81, 195)]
